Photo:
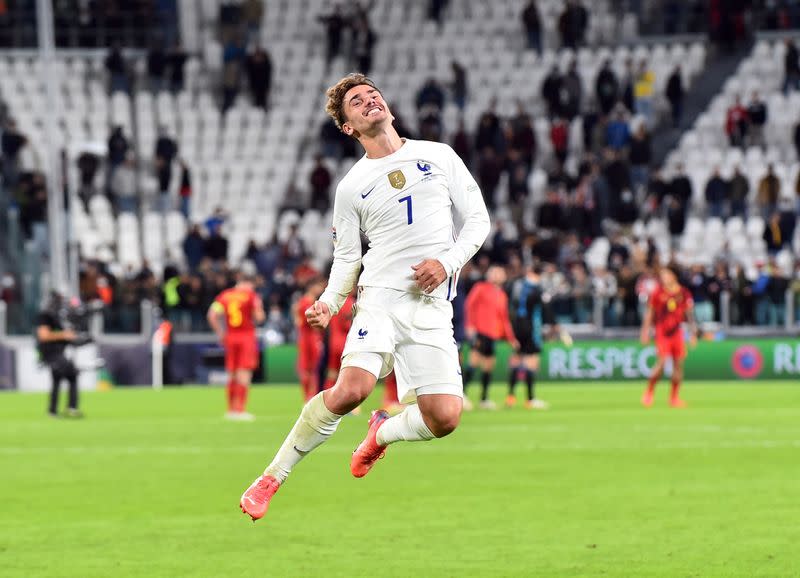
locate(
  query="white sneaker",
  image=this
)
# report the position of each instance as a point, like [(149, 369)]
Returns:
[(536, 404), (231, 415), (488, 404), (467, 405), (245, 416)]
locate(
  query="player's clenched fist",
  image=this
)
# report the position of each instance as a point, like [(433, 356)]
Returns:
[(318, 315), (429, 274)]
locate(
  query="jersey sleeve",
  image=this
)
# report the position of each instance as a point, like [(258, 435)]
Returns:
[(346, 251), (218, 306), (470, 210)]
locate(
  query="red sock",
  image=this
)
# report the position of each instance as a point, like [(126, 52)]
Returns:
[(676, 386), (242, 401), (390, 390), (651, 384), (230, 391)]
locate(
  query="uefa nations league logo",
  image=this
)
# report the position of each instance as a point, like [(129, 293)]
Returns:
[(747, 362)]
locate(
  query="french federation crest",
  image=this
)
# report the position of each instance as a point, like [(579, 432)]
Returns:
[(397, 179)]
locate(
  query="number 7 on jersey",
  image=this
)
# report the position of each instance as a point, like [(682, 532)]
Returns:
[(407, 199)]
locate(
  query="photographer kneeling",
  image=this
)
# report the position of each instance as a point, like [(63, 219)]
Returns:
[(53, 340)]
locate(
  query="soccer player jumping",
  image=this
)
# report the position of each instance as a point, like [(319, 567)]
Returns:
[(424, 217), (668, 306)]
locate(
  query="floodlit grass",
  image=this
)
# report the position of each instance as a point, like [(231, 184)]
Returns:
[(148, 485)]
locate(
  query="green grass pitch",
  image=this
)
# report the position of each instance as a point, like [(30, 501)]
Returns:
[(148, 485)]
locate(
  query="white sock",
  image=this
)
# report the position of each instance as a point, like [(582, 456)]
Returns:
[(406, 426), (315, 425)]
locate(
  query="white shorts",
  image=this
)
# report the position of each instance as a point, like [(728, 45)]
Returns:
[(413, 334)]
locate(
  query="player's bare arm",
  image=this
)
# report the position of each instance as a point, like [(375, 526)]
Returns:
[(258, 312), (213, 317), (429, 274), (646, 323), (693, 329)]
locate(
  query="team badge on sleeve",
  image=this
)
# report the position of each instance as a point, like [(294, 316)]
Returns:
[(333, 232), (397, 179)]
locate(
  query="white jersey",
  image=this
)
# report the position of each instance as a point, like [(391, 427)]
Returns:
[(420, 202)]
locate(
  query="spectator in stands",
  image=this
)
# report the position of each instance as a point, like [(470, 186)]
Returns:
[(791, 66), (320, 181), (32, 196), (628, 84), (461, 143), (675, 93), (11, 144), (559, 137), (259, 76), (607, 88), (518, 192), (177, 58), (716, 194), (156, 67), (363, 39), (774, 234), (123, 187), (617, 172), (739, 189), (165, 153), (490, 169), (579, 214), (88, 163), (572, 24), (776, 294), (217, 219), (293, 249), (523, 137), (718, 284), (769, 190), (643, 91), (627, 295), (640, 156), (435, 9), (617, 131), (216, 246), (430, 94), (117, 69), (232, 59), (185, 190), (657, 190), (253, 14), (571, 92), (697, 282), (551, 212), (117, 147), (533, 26), (757, 117), (797, 196), (604, 286), (736, 123), (334, 26), (681, 188), (489, 133), (459, 87), (551, 91)]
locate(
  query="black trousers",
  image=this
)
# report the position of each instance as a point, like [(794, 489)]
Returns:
[(62, 368)]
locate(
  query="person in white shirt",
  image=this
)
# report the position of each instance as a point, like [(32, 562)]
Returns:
[(424, 217)]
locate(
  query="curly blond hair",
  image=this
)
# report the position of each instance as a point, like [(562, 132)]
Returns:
[(335, 105)]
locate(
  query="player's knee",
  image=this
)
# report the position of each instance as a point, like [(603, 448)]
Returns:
[(445, 422)]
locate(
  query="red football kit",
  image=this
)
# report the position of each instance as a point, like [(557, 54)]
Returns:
[(669, 311), (337, 333), (309, 348), (239, 305)]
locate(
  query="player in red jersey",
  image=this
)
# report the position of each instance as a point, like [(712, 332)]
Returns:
[(669, 305), (241, 308), (309, 340), (337, 336), (486, 321)]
